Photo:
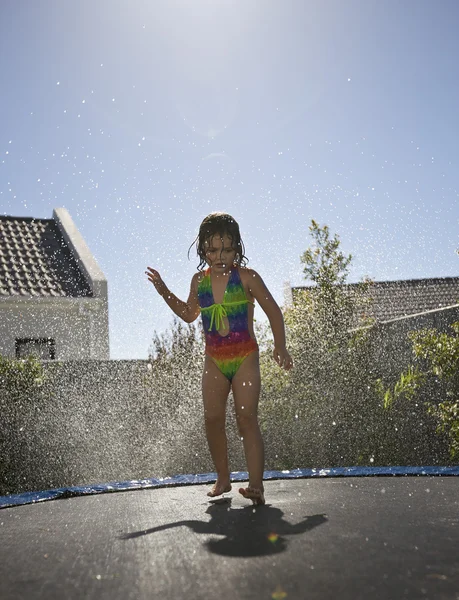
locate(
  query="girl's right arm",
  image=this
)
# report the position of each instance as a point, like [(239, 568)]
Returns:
[(189, 310)]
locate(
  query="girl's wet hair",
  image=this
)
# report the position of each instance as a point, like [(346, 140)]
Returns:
[(219, 223)]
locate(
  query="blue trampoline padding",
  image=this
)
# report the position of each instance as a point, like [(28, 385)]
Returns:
[(176, 480)]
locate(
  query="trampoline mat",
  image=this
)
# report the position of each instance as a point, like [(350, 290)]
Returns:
[(327, 534)]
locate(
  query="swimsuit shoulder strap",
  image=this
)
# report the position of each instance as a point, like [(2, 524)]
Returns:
[(235, 290)]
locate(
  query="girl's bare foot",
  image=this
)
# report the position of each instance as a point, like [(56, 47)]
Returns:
[(254, 494), (219, 489)]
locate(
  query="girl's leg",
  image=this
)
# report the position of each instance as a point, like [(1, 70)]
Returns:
[(246, 392), (215, 390)]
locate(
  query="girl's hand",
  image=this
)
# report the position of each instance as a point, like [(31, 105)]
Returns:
[(283, 358), (156, 280)]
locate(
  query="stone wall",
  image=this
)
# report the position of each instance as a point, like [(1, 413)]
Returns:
[(98, 421)]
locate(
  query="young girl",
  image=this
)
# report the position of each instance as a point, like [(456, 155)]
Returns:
[(224, 295)]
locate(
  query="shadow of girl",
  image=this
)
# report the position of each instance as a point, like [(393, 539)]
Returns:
[(246, 531)]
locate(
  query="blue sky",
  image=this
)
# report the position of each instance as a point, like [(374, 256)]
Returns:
[(142, 117)]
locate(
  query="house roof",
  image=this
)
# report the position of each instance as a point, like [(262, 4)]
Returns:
[(36, 261), (393, 299)]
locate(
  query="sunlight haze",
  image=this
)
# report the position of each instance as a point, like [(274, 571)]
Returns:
[(142, 117)]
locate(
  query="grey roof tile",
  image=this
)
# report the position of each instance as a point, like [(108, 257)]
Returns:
[(35, 261), (393, 299)]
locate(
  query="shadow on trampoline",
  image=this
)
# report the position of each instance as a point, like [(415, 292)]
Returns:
[(247, 531)]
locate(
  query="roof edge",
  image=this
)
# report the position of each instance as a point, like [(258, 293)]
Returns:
[(81, 252), (54, 300), (386, 282), (27, 219), (406, 317)]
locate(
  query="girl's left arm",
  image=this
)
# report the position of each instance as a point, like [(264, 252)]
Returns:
[(264, 298)]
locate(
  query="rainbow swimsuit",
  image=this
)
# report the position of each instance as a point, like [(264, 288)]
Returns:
[(227, 351)]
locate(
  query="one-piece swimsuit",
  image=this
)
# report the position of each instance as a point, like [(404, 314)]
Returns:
[(228, 350)]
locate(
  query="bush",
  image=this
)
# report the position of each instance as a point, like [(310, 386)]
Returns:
[(327, 411), (435, 373), (322, 410), (21, 391), (19, 378)]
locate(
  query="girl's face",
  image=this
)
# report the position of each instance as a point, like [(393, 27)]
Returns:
[(220, 254)]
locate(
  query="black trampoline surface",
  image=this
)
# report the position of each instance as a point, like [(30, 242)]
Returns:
[(347, 538)]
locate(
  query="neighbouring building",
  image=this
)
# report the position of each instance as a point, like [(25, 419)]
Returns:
[(394, 300), (398, 308), (53, 295)]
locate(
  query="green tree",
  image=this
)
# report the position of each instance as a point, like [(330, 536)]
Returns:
[(337, 306), (318, 403), (21, 393), (433, 381), (19, 378), (176, 359)]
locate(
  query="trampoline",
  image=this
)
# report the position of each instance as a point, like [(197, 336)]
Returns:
[(324, 533)]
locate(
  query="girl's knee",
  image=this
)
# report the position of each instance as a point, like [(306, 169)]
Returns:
[(214, 421), (246, 422)]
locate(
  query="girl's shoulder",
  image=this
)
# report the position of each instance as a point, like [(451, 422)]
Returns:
[(247, 273), (248, 278), (198, 277)]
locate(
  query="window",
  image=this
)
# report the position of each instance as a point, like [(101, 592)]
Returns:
[(44, 348)]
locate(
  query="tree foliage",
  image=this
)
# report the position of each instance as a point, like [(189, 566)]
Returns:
[(328, 410), (319, 402), (176, 361), (19, 378), (436, 369), (22, 391), (325, 264)]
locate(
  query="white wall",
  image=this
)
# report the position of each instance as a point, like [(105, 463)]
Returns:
[(79, 327)]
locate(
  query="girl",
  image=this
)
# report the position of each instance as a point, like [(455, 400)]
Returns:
[(224, 295)]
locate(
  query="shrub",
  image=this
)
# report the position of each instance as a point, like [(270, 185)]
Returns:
[(435, 372)]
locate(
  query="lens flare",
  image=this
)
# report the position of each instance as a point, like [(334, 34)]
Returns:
[(279, 594)]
